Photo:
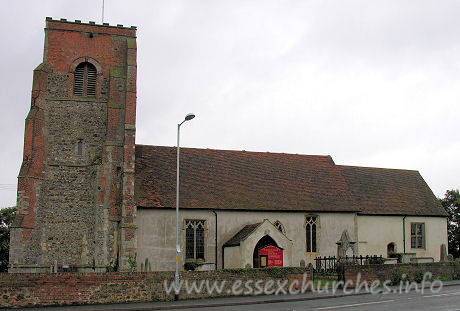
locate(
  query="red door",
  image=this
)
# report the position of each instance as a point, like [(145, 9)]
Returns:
[(272, 256)]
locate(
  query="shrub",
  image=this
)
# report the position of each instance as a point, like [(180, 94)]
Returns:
[(132, 262), (376, 260), (277, 272), (456, 275), (191, 266), (397, 256), (447, 278), (418, 276), (397, 277)]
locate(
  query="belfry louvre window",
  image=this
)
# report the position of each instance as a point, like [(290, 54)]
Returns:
[(417, 235), (85, 79), (311, 228), (194, 239)]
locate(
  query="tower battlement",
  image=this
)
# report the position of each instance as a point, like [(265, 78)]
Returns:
[(77, 25)]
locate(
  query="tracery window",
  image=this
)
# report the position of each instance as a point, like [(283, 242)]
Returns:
[(85, 78), (417, 235), (311, 230), (194, 239)]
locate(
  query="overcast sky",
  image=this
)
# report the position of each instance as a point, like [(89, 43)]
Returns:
[(371, 83)]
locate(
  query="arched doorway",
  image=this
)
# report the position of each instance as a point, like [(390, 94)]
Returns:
[(391, 249), (263, 242)]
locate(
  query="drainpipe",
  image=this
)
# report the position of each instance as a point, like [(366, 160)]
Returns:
[(215, 238), (404, 232), (223, 256)]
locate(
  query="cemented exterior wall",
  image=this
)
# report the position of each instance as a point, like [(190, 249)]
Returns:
[(376, 232), (157, 237), (156, 234)]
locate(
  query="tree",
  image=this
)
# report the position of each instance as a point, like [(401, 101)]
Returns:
[(6, 219), (451, 203)]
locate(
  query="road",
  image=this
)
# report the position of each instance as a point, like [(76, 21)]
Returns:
[(447, 299)]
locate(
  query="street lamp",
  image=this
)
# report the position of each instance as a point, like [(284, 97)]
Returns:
[(188, 117)]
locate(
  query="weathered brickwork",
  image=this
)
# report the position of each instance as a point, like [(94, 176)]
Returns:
[(370, 273), (27, 289), (75, 187)]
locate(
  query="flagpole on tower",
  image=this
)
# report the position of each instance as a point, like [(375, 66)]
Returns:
[(102, 11)]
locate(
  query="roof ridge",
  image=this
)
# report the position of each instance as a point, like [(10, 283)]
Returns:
[(233, 150), (378, 168)]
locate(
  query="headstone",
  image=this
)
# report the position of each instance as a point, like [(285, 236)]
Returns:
[(391, 261), (345, 247), (422, 260), (302, 263), (443, 252), (206, 267), (406, 257)]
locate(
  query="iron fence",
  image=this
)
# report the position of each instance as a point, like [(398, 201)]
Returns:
[(329, 264)]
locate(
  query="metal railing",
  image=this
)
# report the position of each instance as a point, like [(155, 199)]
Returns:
[(329, 264)]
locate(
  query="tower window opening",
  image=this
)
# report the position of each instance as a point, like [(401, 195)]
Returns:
[(80, 147), (85, 79)]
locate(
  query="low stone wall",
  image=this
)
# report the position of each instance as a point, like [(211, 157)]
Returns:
[(30, 289), (370, 273)]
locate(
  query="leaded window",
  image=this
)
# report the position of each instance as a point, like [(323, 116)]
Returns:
[(311, 228), (194, 239), (417, 235)]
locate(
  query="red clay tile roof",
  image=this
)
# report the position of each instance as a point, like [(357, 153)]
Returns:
[(241, 235), (391, 192), (239, 180)]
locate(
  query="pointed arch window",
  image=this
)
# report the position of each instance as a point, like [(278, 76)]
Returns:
[(194, 239), (85, 78), (311, 228)]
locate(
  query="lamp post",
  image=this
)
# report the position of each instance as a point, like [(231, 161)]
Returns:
[(188, 117)]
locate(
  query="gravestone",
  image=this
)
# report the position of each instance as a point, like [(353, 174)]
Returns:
[(345, 247), (443, 252)]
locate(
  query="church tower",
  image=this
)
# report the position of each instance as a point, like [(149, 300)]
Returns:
[(75, 201)]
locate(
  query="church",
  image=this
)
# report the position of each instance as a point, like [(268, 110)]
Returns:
[(90, 199)]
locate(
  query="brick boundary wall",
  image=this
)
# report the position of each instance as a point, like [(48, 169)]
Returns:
[(31, 289), (382, 273)]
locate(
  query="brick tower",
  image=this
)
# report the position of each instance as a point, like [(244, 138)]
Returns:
[(76, 184)]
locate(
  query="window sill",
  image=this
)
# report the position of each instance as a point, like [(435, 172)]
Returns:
[(195, 260)]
